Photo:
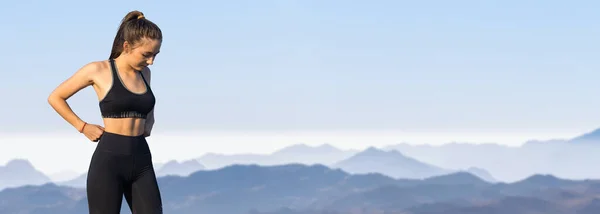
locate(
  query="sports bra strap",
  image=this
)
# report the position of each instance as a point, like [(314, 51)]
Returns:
[(147, 86), (114, 69)]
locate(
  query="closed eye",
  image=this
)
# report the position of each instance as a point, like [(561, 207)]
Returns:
[(149, 54)]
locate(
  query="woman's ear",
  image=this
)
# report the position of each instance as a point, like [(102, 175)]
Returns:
[(126, 47)]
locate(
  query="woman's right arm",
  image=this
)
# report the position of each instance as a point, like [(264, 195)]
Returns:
[(58, 98)]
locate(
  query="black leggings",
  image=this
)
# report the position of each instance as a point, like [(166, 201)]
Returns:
[(122, 165)]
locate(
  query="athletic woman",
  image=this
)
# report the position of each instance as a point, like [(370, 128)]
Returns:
[(121, 163)]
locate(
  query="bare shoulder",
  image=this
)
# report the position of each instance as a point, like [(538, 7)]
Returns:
[(91, 70), (86, 75), (96, 66)]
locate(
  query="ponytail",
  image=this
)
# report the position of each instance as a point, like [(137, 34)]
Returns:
[(132, 29)]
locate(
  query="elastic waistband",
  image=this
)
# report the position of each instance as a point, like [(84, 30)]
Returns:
[(122, 144), (120, 135)]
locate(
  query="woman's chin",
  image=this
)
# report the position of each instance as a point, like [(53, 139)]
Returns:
[(139, 68)]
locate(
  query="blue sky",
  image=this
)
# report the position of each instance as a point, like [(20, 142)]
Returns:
[(506, 66), (256, 76)]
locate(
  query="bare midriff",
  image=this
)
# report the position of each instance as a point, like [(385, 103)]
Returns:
[(125, 126)]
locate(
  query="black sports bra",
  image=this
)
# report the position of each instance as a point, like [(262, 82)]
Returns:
[(120, 102)]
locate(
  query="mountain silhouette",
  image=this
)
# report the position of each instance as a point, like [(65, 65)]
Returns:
[(392, 163), (458, 178), (46, 198), (570, 158), (590, 137), (543, 181), (170, 168), (79, 181), (18, 172), (481, 173), (325, 154), (309, 189), (183, 168)]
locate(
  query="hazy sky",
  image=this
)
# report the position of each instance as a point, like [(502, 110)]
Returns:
[(504, 69)]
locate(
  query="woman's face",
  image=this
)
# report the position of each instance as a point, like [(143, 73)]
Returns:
[(142, 53)]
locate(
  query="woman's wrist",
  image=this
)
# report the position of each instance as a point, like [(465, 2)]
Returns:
[(81, 127)]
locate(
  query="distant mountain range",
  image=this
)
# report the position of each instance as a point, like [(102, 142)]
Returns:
[(371, 160), (19, 172), (299, 153), (395, 164), (173, 167), (568, 158), (402, 178), (318, 189)]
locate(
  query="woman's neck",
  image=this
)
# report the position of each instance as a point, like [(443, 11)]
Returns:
[(123, 66)]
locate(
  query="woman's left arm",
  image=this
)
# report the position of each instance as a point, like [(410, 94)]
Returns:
[(150, 118), (149, 124)]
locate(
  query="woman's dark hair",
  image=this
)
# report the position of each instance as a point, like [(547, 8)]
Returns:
[(133, 28)]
